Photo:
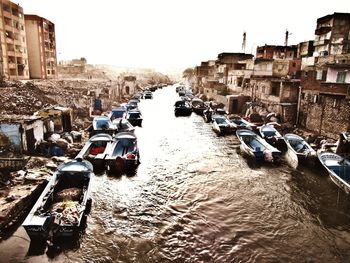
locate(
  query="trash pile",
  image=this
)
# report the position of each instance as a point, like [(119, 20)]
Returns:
[(66, 207)]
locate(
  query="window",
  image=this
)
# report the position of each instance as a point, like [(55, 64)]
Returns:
[(341, 77), (275, 91), (336, 103), (319, 74), (263, 89)]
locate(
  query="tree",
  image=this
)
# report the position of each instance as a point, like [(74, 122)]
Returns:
[(188, 73)]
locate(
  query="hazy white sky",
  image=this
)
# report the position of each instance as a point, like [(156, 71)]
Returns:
[(175, 34)]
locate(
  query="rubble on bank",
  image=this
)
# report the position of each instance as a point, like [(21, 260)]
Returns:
[(19, 189)]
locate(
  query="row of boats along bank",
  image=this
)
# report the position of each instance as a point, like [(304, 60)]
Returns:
[(112, 147), (264, 143)]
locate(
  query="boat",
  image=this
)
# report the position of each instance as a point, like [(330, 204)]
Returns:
[(148, 94), (122, 154), (101, 124), (239, 123), (134, 117), (94, 150), (59, 210), (117, 112), (198, 106), (132, 104), (254, 146), (338, 169), (221, 125), (298, 150), (272, 135), (182, 108), (123, 125)]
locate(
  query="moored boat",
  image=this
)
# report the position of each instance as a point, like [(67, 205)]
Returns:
[(257, 148), (59, 210), (240, 123), (94, 150), (298, 150), (182, 108), (338, 169), (272, 136), (123, 154), (134, 117), (221, 125), (198, 106)]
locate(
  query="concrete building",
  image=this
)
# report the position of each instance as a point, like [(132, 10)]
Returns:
[(305, 49), (325, 95), (13, 48), (41, 42), (332, 35), (277, 52), (74, 66), (239, 75)]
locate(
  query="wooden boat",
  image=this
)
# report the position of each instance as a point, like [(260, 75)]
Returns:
[(182, 108), (221, 125), (102, 124), (134, 117), (59, 210), (94, 150), (123, 154), (123, 125), (239, 123), (272, 135), (198, 106), (338, 169), (298, 150), (254, 146)]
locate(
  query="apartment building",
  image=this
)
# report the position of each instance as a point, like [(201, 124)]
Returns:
[(41, 44), (13, 48), (332, 35)]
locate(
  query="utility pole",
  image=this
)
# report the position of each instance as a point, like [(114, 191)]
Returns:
[(244, 41)]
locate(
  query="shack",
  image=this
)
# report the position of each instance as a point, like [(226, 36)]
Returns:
[(61, 117), (19, 135)]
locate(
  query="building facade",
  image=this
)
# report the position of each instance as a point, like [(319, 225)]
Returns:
[(13, 48), (41, 42), (332, 34)]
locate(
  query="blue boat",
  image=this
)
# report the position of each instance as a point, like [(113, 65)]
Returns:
[(338, 169)]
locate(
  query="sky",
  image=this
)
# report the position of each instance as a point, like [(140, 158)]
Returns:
[(170, 35)]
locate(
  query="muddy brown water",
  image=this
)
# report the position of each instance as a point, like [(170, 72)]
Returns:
[(195, 199)]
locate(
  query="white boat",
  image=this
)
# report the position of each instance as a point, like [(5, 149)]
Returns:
[(298, 150), (338, 169), (269, 133), (221, 125), (254, 146), (94, 150)]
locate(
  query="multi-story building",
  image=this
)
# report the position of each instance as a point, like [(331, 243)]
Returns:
[(41, 44), (325, 80), (13, 48), (332, 34), (277, 52)]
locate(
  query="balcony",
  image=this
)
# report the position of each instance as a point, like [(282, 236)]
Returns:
[(12, 65), (321, 42), (323, 30), (11, 53), (7, 14), (9, 40)]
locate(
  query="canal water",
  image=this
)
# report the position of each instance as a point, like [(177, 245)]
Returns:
[(195, 199)]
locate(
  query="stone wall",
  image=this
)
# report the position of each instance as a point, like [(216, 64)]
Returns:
[(326, 115)]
